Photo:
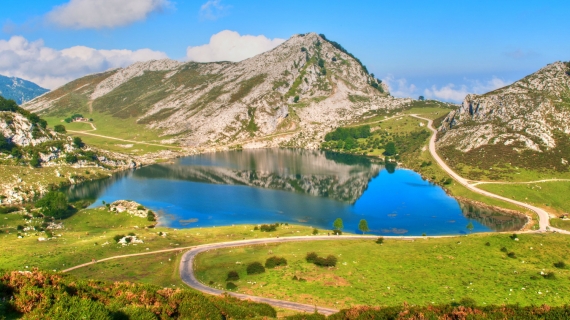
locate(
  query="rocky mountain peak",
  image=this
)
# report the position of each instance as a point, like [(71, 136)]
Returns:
[(295, 93), (531, 114)]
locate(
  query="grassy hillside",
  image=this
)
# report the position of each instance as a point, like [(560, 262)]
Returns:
[(422, 272)]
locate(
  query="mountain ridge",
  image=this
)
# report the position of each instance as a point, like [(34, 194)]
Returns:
[(296, 92), (19, 90)]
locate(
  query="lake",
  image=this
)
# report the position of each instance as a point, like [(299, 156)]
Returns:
[(306, 187)]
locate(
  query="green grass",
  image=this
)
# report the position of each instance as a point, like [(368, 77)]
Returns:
[(551, 196), (86, 231), (420, 272), (560, 223), (108, 125)]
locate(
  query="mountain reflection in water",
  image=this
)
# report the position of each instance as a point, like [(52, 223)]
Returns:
[(302, 186)]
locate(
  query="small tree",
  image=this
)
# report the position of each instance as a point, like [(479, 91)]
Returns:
[(77, 142), (232, 276), (53, 204), (315, 231), (255, 268), (390, 149), (296, 99), (60, 128), (421, 98), (337, 224), (150, 216), (363, 226)]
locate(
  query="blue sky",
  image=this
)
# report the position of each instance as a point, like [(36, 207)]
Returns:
[(441, 49)]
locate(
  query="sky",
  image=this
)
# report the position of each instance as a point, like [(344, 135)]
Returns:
[(439, 49)]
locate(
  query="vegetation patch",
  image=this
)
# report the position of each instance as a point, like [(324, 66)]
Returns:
[(246, 86)]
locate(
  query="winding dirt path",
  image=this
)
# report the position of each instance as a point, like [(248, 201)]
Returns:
[(543, 216), (519, 182)]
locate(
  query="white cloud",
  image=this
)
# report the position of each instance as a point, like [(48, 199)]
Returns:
[(213, 9), (51, 68), (231, 46), (400, 87), (97, 14), (520, 54), (457, 93)]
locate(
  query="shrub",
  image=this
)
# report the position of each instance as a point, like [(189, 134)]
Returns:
[(6, 210), (255, 268), (232, 276), (295, 278), (132, 234), (59, 128), (20, 227), (231, 286), (150, 216), (269, 227), (49, 234), (53, 204), (256, 228), (468, 302), (77, 142), (35, 161), (140, 207), (503, 249), (273, 262), (296, 99), (127, 240), (514, 236), (488, 244), (315, 231), (311, 257), (337, 232), (329, 261), (70, 158), (118, 237), (560, 265), (511, 255)]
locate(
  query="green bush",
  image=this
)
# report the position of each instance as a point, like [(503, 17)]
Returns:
[(337, 232), (150, 216), (315, 231), (380, 240), (269, 227), (274, 261), (311, 257), (511, 255), (53, 204), (77, 142), (6, 210), (59, 128), (35, 161), (329, 261), (296, 99), (560, 265), (70, 158), (255, 268), (549, 275), (503, 249), (231, 286), (140, 207), (232, 276), (118, 237)]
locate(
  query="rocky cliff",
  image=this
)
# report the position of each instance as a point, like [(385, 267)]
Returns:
[(529, 116), (289, 96)]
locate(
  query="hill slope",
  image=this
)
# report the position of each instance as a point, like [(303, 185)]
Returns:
[(293, 93), (19, 90), (526, 124)]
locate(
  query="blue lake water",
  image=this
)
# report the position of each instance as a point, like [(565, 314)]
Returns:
[(294, 186)]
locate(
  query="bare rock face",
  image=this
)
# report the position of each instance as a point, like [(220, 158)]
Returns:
[(531, 114), (289, 96), (20, 131)]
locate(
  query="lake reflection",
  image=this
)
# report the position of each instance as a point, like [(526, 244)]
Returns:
[(296, 186)]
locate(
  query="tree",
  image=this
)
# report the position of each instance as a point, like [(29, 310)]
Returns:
[(363, 226), (53, 204), (296, 99), (337, 224), (60, 128), (78, 142), (390, 149), (421, 98)]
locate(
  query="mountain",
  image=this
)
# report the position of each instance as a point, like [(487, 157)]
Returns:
[(525, 124), (289, 96), (19, 90)]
